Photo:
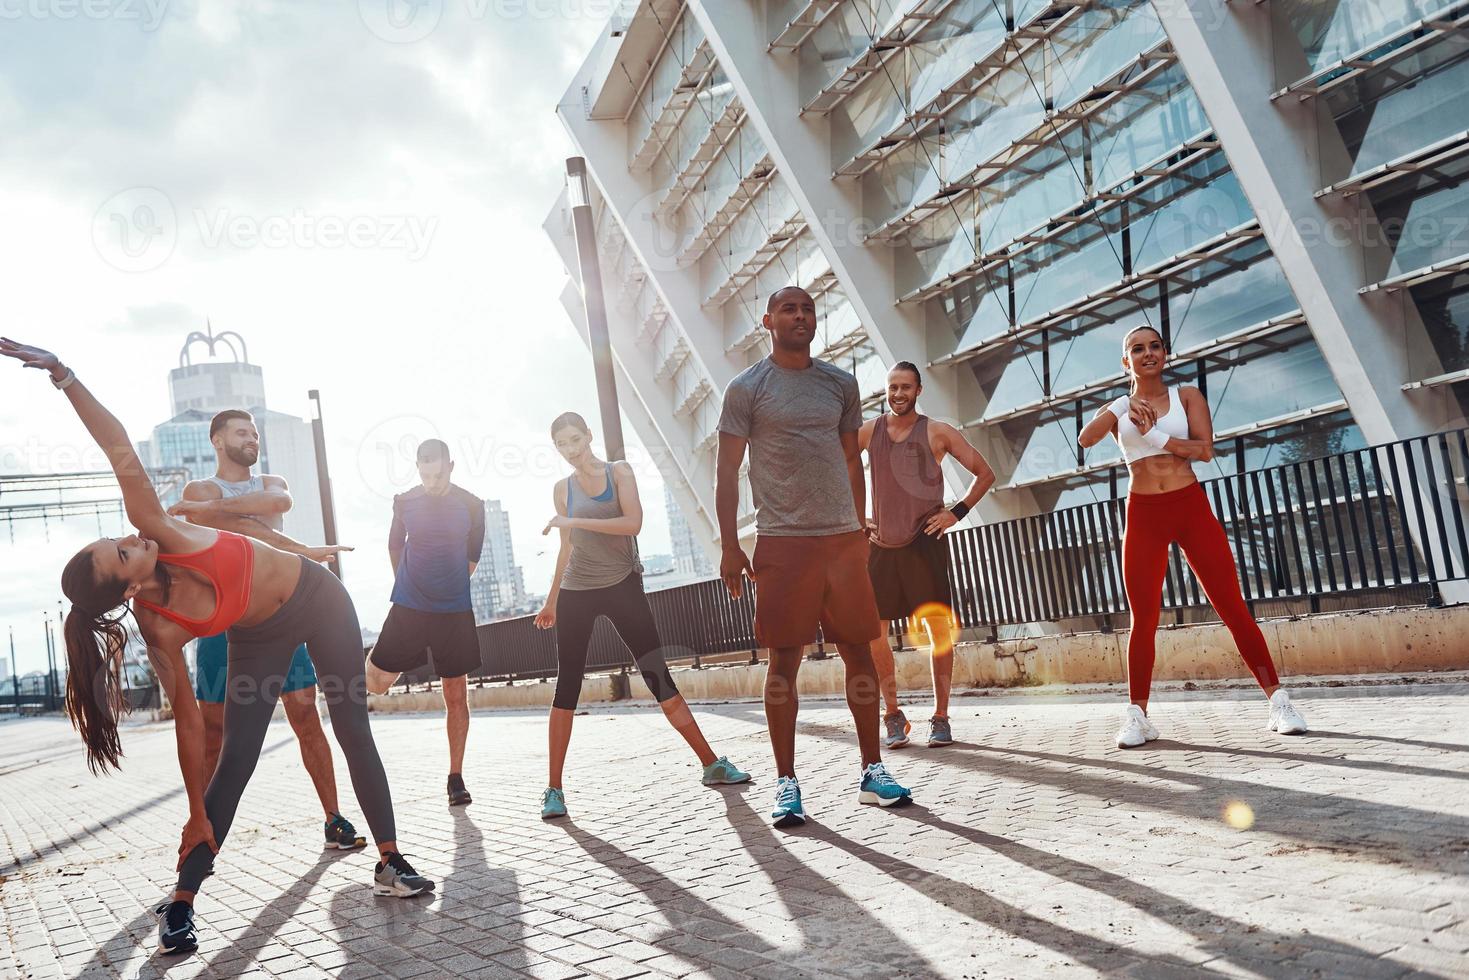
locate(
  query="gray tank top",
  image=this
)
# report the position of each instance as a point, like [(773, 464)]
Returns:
[(253, 485), (597, 560)]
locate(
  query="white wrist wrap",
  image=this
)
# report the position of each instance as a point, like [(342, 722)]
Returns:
[(1156, 438)]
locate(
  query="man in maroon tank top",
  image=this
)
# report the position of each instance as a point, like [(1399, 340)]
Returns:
[(909, 562)]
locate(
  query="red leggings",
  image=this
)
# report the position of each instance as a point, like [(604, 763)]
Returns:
[(1155, 520)]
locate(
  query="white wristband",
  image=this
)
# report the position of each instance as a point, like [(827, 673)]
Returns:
[(1119, 408), (1156, 438), (65, 382)]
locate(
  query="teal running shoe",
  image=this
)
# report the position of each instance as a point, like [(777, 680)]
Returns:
[(879, 786), (722, 772), (553, 804), (340, 834), (788, 811)]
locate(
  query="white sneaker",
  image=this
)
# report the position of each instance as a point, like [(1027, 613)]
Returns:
[(1284, 718), (1136, 728)]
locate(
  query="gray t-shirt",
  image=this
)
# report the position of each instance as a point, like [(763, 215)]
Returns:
[(794, 420)]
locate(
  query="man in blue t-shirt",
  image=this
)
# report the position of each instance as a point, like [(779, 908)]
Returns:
[(435, 542)]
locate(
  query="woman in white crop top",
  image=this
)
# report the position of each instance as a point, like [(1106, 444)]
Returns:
[(1162, 430)]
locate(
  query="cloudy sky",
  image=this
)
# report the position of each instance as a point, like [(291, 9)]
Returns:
[(355, 186)]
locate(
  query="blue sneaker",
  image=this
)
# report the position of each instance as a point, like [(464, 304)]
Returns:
[(722, 772), (879, 786), (788, 811), (553, 804)]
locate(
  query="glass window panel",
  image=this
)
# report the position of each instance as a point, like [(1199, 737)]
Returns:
[(1080, 262), (1270, 386), (1098, 43), (1329, 30), (1019, 382), (1194, 217), (1417, 104), (1230, 302), (1144, 126), (1444, 307), (1088, 357), (937, 247), (1423, 221), (976, 311), (1022, 200), (1049, 449)]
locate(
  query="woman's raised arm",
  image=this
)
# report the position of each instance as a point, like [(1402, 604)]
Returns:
[(145, 511)]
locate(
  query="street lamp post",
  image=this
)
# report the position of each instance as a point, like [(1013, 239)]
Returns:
[(324, 480), (596, 304), (51, 665)]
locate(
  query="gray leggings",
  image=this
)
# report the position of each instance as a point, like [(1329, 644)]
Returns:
[(319, 614)]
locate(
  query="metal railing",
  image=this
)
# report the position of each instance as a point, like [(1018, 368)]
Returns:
[(1376, 526)]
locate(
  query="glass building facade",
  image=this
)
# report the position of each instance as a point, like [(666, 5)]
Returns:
[(1029, 180)]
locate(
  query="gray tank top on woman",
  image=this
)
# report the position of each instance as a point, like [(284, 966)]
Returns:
[(253, 485), (597, 560)]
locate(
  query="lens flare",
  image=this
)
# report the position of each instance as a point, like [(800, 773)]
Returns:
[(935, 611), (1239, 815)]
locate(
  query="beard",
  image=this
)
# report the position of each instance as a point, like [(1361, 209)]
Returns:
[(242, 457), (905, 410)]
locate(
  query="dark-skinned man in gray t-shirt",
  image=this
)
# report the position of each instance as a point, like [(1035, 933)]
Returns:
[(799, 418)]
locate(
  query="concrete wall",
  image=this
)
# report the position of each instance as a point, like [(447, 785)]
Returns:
[(1369, 642)]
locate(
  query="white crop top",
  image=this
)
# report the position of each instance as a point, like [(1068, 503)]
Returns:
[(1135, 446)]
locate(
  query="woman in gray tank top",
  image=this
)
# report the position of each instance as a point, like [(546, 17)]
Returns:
[(598, 574)]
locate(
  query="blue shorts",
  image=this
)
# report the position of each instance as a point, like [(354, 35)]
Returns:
[(211, 669)]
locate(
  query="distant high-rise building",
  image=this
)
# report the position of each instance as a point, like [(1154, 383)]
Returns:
[(688, 557), (497, 587), (198, 391)]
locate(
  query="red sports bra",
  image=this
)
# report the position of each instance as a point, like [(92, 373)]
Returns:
[(228, 564)]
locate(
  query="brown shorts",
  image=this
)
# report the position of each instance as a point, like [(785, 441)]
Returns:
[(801, 582)]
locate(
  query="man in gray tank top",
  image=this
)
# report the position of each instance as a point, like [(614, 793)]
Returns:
[(234, 499), (909, 564)]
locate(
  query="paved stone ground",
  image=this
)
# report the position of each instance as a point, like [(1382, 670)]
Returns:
[(1035, 848)]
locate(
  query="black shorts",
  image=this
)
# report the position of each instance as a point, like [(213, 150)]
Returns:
[(409, 635), (911, 576)]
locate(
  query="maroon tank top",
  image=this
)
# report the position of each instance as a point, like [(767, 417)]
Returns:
[(907, 483)]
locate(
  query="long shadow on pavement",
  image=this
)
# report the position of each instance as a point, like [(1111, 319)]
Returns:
[(716, 946), (1241, 944), (1320, 760), (1311, 819)]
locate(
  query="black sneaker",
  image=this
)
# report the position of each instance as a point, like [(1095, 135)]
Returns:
[(176, 928), (342, 835), (458, 795), (395, 876)]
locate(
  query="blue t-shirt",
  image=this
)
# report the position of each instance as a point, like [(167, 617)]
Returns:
[(438, 537)]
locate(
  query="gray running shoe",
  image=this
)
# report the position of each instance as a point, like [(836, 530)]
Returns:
[(395, 876), (939, 732), (176, 933), (898, 729)]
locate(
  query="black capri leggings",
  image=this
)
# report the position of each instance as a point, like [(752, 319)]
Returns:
[(627, 607), (319, 614)]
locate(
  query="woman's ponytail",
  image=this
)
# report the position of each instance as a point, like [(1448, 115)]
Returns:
[(94, 649)]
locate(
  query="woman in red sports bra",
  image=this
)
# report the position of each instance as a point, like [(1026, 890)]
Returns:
[(185, 581)]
